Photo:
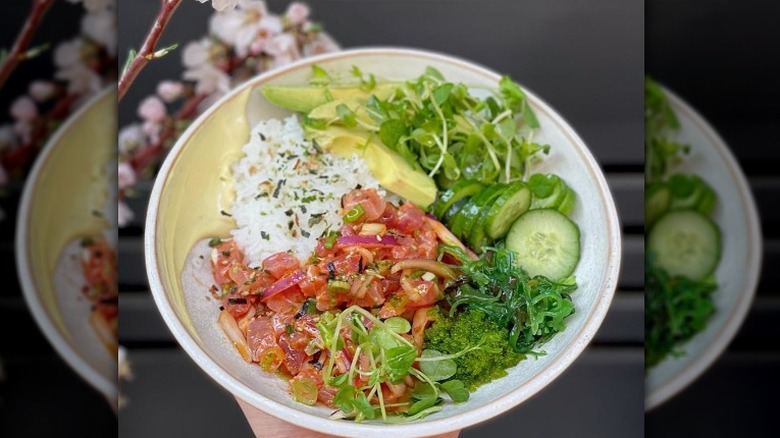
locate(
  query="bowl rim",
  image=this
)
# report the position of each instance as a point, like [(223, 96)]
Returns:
[(63, 347), (565, 358), (737, 314)]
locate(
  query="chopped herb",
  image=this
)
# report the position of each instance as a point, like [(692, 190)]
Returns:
[(279, 185), (338, 286), (303, 209), (289, 328), (224, 213), (288, 212), (214, 242), (290, 225), (264, 235), (226, 253), (236, 300), (262, 137), (87, 241), (305, 233), (315, 219), (330, 240)]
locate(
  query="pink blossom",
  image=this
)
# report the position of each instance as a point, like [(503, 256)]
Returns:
[(242, 27), (131, 137), (126, 176), (101, 27), (124, 214), (297, 13), (23, 109), (196, 53), (152, 109), (221, 5), (170, 90), (283, 48), (23, 130), (152, 130), (208, 78), (41, 91)]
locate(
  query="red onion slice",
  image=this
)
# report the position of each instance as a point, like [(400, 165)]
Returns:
[(283, 284), (366, 241)]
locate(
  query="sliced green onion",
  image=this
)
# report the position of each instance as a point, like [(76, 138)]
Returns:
[(330, 240), (356, 213), (338, 286)]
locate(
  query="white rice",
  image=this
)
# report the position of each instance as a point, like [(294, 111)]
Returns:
[(288, 193)]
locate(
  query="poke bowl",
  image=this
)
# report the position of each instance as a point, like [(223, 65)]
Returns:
[(735, 276), (193, 213), (65, 218)]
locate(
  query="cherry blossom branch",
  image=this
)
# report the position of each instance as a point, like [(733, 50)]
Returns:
[(148, 50), (30, 27)]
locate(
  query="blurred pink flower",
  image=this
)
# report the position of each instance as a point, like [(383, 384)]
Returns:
[(221, 5), (23, 109), (196, 53), (152, 130), (23, 130), (208, 79), (169, 90), (283, 48), (41, 91), (297, 13), (131, 137), (245, 27), (126, 176), (152, 109), (101, 27)]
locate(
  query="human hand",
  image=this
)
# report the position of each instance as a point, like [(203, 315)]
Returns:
[(264, 425)]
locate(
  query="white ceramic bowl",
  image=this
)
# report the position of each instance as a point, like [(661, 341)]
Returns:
[(69, 181), (740, 264), (191, 188)]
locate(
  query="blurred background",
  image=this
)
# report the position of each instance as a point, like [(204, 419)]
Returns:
[(721, 57), (586, 59), (40, 395)]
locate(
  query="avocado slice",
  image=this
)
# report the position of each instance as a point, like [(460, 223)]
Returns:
[(329, 111), (306, 98), (389, 168)]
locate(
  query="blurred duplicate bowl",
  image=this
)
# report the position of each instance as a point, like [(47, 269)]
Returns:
[(193, 186), (740, 264), (70, 195)]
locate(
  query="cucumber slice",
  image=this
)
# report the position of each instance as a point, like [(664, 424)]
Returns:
[(506, 209), (685, 243), (657, 199), (460, 190), (547, 243), (465, 219), (476, 227), (449, 216)]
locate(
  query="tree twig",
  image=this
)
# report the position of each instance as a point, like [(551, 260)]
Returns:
[(147, 52), (25, 37)]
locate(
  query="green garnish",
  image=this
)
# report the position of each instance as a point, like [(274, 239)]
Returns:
[(676, 308), (331, 238), (214, 242), (441, 129), (353, 215), (533, 309), (391, 359)]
